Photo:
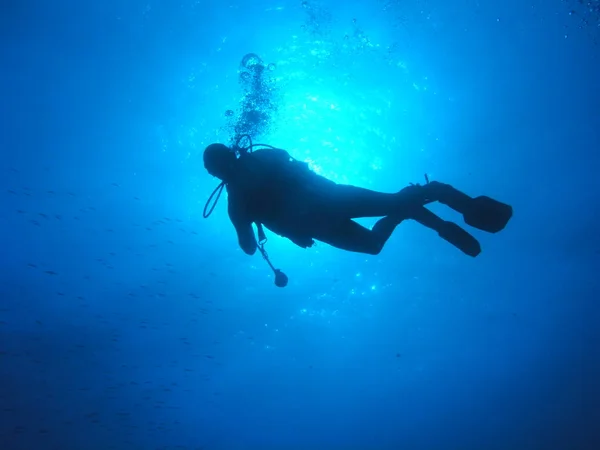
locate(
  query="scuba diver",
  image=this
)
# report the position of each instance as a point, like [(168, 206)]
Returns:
[(268, 187)]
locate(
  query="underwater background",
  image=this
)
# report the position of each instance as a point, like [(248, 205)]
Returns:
[(127, 321)]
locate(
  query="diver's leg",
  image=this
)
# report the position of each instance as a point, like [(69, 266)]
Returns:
[(350, 236), (353, 237), (354, 202)]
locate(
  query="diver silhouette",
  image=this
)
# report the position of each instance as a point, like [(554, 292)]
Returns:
[(268, 187)]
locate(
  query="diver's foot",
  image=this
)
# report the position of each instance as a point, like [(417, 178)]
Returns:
[(459, 238), (487, 214)]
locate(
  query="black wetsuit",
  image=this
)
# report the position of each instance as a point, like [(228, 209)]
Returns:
[(284, 195)]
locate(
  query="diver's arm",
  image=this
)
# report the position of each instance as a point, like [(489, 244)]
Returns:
[(243, 227)]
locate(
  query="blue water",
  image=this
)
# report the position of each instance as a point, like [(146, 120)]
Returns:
[(127, 321)]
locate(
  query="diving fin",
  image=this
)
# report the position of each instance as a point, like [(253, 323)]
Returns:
[(460, 238), (480, 212), (449, 231), (487, 214)]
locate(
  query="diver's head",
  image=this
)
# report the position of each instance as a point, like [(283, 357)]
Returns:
[(219, 161)]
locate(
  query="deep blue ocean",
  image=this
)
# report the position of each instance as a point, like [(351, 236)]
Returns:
[(130, 322)]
